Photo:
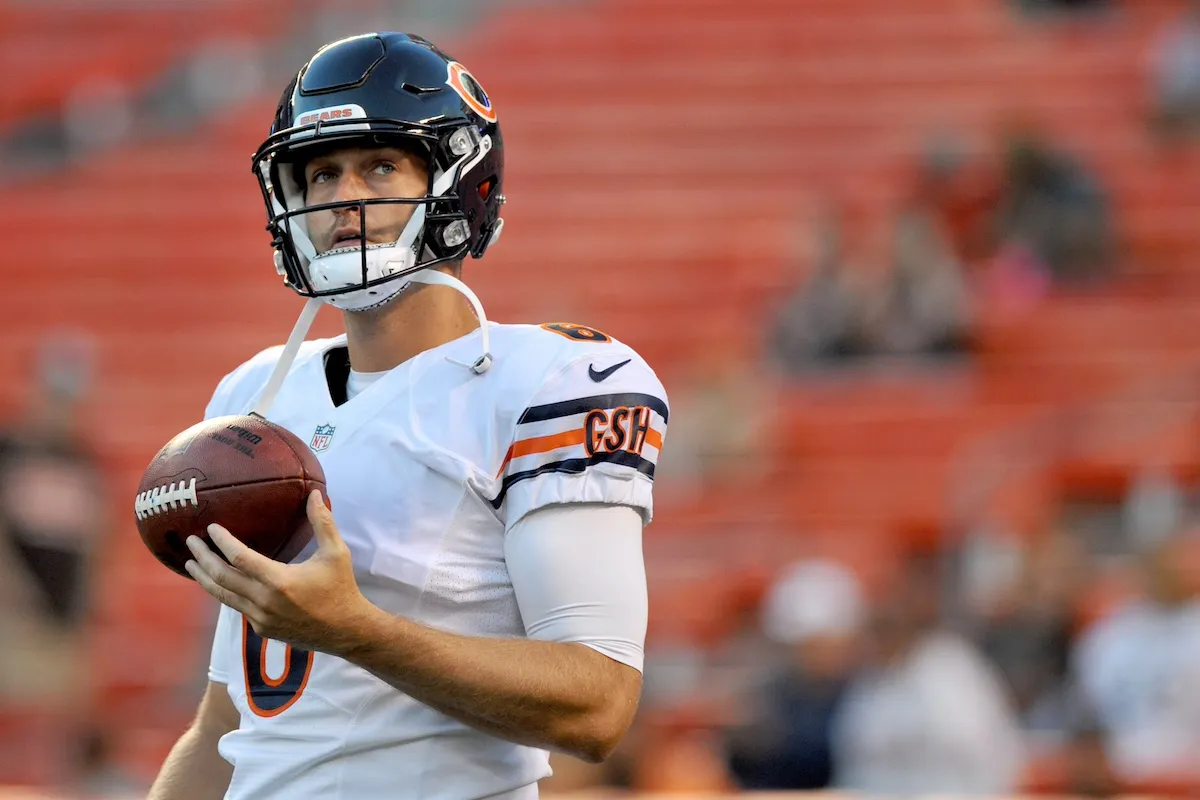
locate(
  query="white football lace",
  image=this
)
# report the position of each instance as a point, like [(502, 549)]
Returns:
[(161, 499)]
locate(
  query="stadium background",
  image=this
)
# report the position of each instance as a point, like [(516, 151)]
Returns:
[(920, 278)]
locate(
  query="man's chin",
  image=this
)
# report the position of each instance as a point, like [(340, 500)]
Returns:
[(384, 306)]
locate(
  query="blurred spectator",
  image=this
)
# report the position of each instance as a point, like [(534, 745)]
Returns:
[(1080, 768), (1139, 668), (51, 490), (1153, 509), (1063, 6), (97, 775), (52, 513), (822, 322), (962, 195), (1087, 771), (663, 752), (744, 656), (680, 758), (923, 307), (1052, 213), (929, 714), (98, 112), (1027, 631), (1175, 72), (814, 610), (837, 316), (960, 192), (719, 419)]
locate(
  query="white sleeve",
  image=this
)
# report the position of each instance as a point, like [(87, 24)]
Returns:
[(218, 663), (581, 440), (578, 575)]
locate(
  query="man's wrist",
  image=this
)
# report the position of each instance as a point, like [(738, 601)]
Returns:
[(362, 631)]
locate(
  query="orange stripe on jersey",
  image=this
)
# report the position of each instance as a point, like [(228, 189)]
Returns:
[(541, 444), (654, 439)]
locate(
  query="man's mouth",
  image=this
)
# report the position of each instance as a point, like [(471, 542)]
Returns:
[(347, 237)]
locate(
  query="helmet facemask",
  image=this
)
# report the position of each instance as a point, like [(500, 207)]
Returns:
[(366, 274)]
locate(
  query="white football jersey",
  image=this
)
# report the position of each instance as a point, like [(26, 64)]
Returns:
[(427, 468)]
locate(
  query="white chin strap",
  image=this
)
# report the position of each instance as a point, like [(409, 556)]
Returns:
[(313, 305), (299, 330), (432, 276)]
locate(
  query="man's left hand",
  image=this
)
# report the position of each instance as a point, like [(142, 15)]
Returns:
[(313, 604)]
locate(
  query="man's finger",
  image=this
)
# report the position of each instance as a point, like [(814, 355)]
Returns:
[(226, 597), (242, 557), (321, 519), (221, 573)]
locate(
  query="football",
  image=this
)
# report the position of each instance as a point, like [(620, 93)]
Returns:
[(247, 474)]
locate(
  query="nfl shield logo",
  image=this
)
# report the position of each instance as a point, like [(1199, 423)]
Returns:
[(321, 438)]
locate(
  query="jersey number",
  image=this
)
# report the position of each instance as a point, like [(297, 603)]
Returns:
[(269, 696), (580, 333)]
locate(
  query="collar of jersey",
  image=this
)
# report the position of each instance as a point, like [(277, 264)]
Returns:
[(389, 387)]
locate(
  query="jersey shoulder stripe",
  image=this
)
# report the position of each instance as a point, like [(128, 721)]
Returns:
[(575, 466), (570, 436), (582, 405)]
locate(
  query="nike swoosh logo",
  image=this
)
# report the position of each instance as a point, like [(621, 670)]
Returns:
[(604, 373)]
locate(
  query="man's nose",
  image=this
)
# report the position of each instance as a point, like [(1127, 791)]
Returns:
[(350, 187)]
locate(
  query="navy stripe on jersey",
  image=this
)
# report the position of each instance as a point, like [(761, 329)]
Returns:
[(575, 466), (569, 408)]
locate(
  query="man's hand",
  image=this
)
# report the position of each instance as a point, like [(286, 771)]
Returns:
[(309, 605)]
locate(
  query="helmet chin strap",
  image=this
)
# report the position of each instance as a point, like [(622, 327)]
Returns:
[(433, 276), (313, 305), (299, 330)]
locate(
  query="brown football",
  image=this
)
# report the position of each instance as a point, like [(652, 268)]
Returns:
[(245, 473)]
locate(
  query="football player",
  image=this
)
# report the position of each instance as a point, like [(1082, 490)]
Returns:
[(477, 595)]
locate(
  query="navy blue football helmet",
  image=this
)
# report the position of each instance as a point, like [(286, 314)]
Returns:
[(384, 90)]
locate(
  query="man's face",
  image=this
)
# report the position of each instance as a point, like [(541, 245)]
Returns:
[(361, 174)]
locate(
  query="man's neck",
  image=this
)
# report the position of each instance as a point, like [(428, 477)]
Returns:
[(422, 318)]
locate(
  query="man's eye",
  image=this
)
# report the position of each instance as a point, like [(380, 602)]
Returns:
[(320, 176), (385, 168)]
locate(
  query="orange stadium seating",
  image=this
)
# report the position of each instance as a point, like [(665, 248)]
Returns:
[(659, 151), (56, 46)]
